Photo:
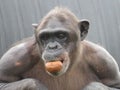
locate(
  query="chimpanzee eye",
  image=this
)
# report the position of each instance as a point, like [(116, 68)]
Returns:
[(61, 36), (44, 37)]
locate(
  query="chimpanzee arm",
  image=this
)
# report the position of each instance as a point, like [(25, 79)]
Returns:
[(16, 61), (106, 68)]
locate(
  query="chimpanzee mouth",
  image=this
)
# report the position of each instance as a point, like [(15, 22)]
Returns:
[(57, 67)]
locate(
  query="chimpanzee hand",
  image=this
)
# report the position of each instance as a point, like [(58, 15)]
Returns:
[(25, 84)]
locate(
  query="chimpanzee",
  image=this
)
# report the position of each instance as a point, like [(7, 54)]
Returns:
[(57, 57)]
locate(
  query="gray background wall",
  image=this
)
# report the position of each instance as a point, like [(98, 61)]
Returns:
[(16, 17)]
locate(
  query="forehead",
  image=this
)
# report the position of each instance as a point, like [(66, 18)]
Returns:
[(54, 23), (57, 22)]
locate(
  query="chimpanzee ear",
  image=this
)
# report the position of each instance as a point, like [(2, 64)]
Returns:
[(83, 26), (35, 25)]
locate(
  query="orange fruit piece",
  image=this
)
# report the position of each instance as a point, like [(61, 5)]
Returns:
[(53, 67)]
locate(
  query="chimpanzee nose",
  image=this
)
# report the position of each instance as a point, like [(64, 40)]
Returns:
[(53, 45)]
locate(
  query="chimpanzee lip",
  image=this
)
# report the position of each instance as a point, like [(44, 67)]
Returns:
[(57, 59)]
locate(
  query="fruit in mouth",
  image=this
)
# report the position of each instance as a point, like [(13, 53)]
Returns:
[(54, 66)]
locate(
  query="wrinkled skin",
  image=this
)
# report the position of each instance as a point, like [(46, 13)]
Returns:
[(59, 37)]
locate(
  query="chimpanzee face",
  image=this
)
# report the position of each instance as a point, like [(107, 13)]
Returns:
[(57, 42)]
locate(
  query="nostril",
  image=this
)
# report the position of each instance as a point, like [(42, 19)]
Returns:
[(56, 47)]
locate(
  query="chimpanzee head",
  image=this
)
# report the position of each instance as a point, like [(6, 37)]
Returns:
[(58, 36)]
